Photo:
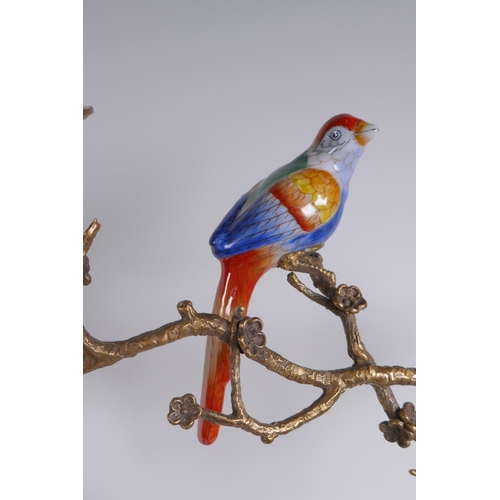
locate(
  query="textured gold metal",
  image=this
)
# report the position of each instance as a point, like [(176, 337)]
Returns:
[(87, 111), (244, 335), (88, 238)]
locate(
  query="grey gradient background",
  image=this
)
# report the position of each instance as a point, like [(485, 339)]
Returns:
[(194, 103)]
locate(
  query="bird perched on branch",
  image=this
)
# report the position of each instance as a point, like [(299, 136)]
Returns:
[(297, 207)]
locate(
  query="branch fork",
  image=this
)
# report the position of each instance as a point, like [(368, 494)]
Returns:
[(245, 336)]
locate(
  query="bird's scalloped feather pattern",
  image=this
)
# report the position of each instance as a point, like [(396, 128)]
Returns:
[(295, 205)]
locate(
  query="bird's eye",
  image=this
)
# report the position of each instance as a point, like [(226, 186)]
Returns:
[(335, 135)]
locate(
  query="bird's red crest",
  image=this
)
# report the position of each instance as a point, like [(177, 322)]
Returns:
[(344, 120)]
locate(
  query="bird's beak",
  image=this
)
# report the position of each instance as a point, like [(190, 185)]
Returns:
[(365, 132)]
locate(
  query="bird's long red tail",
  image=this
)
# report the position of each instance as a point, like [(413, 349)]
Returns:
[(238, 279)]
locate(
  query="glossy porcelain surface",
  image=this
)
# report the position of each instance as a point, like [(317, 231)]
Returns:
[(296, 207)]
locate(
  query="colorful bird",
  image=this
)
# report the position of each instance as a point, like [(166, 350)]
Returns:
[(297, 207)]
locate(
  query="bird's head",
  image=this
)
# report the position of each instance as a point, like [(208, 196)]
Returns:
[(341, 141)]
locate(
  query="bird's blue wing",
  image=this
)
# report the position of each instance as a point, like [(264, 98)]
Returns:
[(296, 207), (264, 222)]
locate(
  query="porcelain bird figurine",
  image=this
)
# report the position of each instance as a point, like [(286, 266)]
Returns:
[(297, 207)]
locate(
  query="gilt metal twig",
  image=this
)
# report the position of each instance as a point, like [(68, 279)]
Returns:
[(244, 335)]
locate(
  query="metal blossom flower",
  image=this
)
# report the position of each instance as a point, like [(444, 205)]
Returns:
[(349, 299), (403, 428), (184, 411)]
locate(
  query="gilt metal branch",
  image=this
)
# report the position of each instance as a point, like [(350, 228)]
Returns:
[(244, 335)]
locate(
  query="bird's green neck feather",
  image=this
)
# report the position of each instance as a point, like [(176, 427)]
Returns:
[(295, 165)]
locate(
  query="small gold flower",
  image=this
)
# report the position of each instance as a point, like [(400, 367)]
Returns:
[(250, 336), (349, 299), (403, 429), (184, 411), (86, 270), (409, 416)]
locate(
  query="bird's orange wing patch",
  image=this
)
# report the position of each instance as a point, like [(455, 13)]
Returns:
[(312, 196)]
